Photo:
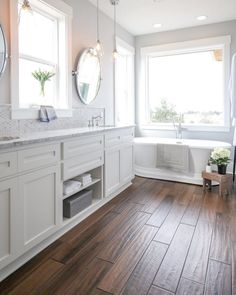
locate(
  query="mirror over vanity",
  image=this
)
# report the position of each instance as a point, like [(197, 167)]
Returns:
[(3, 51), (88, 75)]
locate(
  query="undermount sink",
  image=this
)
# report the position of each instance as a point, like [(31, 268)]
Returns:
[(8, 138)]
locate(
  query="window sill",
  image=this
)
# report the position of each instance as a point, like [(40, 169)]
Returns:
[(33, 114), (187, 128)]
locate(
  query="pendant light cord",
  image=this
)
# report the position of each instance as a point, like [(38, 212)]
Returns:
[(114, 25), (98, 37)]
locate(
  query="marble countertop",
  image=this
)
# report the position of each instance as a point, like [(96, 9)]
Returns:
[(56, 135)]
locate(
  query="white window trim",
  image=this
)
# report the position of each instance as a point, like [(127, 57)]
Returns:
[(126, 49), (57, 6), (183, 47), (124, 45)]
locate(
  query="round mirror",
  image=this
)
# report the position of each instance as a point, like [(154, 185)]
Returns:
[(88, 76), (3, 51)]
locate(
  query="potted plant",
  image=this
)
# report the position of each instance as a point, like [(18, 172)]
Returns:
[(42, 77), (220, 157)]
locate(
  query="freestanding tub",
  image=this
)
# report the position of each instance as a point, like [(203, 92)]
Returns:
[(173, 159)]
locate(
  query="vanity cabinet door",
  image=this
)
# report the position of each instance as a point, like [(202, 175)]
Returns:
[(40, 198), (126, 163), (119, 160), (9, 221), (112, 171)]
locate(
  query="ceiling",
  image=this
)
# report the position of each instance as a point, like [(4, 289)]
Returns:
[(138, 16)]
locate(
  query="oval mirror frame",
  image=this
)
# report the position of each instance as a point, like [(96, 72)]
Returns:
[(3, 51), (88, 76)]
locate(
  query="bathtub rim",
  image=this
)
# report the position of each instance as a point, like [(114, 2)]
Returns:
[(191, 143)]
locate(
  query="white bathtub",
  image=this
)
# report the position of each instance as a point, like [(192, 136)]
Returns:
[(147, 158)]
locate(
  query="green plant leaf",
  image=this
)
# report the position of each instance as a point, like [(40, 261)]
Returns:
[(42, 77)]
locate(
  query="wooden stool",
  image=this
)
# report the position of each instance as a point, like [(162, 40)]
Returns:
[(225, 181)]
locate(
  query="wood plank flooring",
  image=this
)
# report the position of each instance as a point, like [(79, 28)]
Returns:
[(155, 238)]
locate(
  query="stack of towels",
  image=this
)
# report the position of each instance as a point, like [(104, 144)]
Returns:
[(70, 186), (85, 179)]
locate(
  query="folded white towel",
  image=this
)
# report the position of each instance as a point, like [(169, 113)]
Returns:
[(86, 182), (70, 186), (85, 179), (175, 157)]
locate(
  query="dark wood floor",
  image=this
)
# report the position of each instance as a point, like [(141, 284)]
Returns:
[(155, 238)]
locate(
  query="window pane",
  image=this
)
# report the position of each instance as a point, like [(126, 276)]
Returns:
[(30, 88), (37, 36), (124, 91), (191, 84)]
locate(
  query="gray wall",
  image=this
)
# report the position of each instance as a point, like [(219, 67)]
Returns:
[(206, 31), (84, 35)]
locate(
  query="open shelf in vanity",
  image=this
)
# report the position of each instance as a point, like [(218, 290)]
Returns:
[(96, 185), (83, 155), (83, 187)]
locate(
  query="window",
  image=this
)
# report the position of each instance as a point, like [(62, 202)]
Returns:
[(42, 44), (124, 84), (188, 83)]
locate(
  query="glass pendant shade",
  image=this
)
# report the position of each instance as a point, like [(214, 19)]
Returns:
[(115, 53), (25, 9), (26, 6), (99, 48), (98, 45)]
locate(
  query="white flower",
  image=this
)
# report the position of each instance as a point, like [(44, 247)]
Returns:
[(220, 153)]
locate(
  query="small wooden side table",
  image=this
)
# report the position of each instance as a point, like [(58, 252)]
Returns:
[(225, 181)]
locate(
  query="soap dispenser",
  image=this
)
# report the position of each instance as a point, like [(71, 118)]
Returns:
[(208, 167)]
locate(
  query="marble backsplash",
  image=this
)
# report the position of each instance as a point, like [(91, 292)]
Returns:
[(80, 118)]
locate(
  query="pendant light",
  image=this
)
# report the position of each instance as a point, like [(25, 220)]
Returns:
[(25, 8), (98, 46), (115, 52)]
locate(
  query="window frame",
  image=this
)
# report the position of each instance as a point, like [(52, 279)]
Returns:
[(63, 13), (221, 42)]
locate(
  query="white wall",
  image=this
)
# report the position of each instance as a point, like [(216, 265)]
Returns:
[(5, 80), (206, 31), (84, 35)]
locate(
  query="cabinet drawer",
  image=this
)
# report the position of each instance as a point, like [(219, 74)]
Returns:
[(82, 146), (112, 139), (127, 136), (81, 164), (119, 137), (38, 157), (8, 164)]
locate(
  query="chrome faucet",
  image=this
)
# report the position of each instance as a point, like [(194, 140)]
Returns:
[(179, 131), (178, 127), (94, 122)]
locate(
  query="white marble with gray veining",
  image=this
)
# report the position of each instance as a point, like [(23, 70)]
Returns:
[(12, 127), (56, 135)]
